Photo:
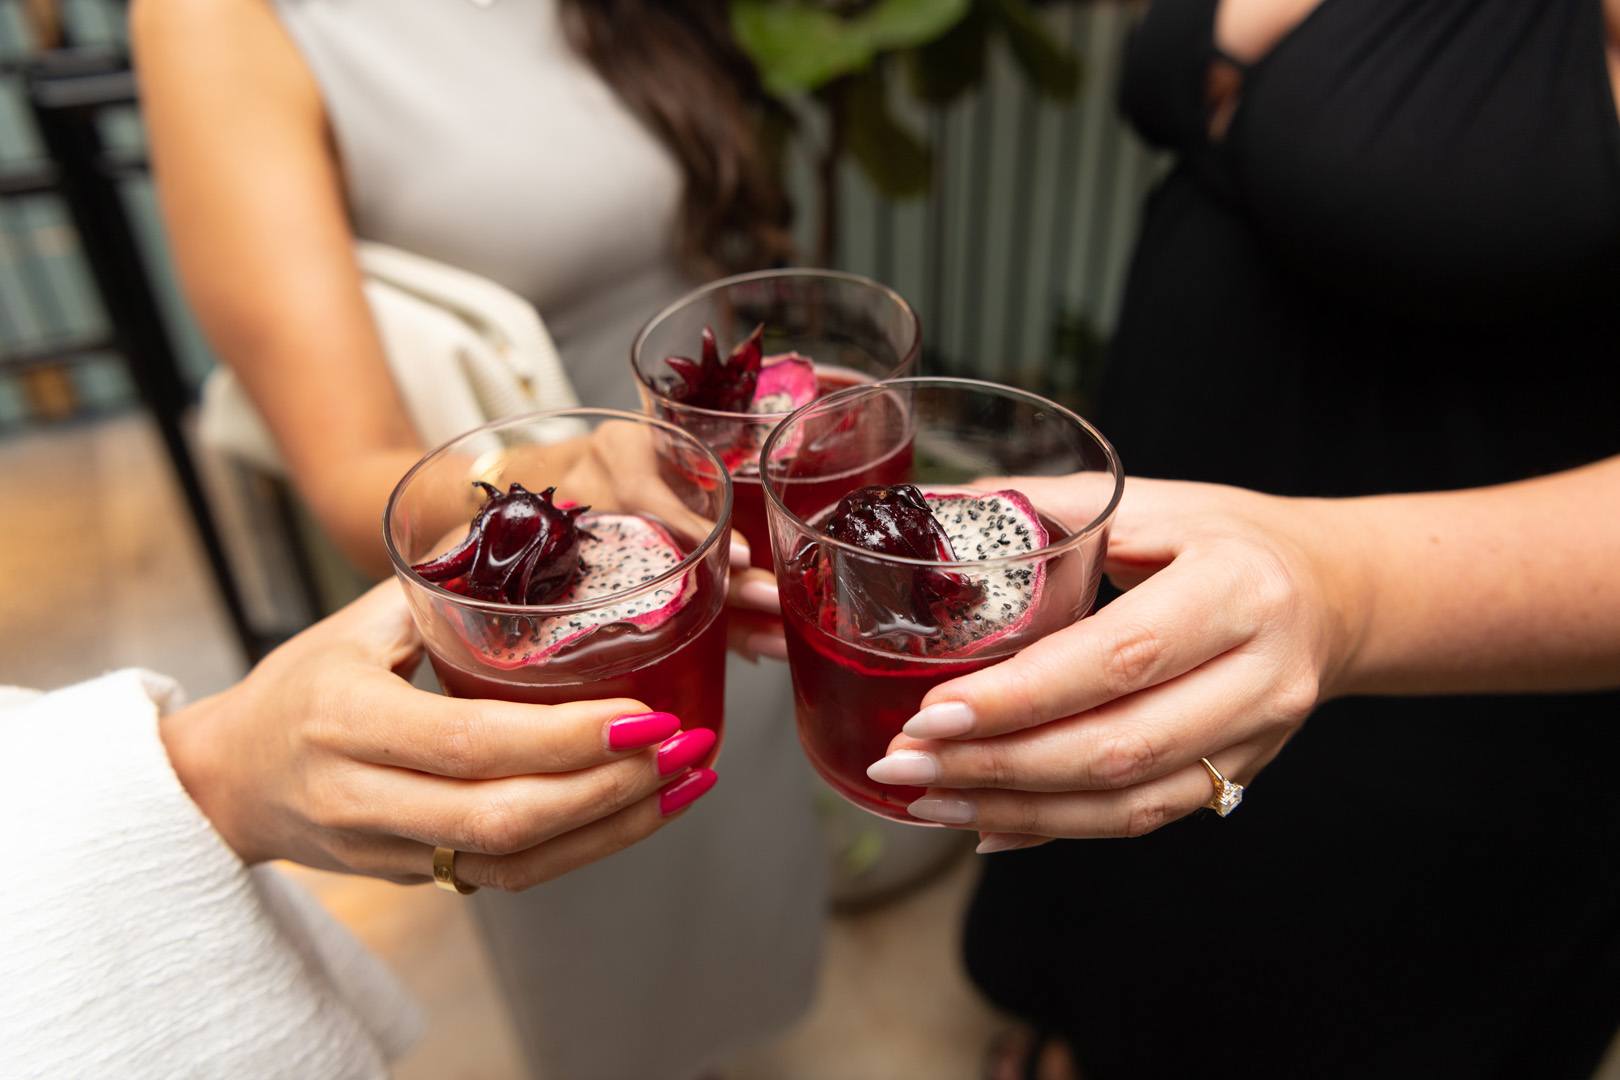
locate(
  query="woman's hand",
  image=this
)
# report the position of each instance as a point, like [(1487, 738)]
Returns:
[(325, 755), (619, 465), (1240, 611)]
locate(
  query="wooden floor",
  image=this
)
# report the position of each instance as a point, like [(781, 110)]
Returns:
[(101, 572)]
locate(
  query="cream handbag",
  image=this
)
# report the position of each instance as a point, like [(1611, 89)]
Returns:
[(462, 350)]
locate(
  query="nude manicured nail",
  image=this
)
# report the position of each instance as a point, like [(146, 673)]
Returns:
[(943, 809), (742, 556), (946, 720), (911, 767), (641, 729), (686, 748), (990, 843), (764, 643), (760, 596), (685, 791)]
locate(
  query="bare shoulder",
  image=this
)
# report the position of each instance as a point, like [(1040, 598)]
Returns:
[(230, 48)]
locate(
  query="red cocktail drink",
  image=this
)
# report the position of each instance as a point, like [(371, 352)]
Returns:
[(749, 514), (731, 360), (890, 590), (590, 561), (677, 667), (853, 694)]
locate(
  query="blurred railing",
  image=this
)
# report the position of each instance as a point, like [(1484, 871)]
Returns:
[(1016, 257)]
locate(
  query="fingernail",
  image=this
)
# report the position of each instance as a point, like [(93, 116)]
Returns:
[(945, 810), (742, 556), (641, 729), (685, 791), (990, 843), (911, 767), (765, 643), (761, 596), (687, 748), (945, 720)]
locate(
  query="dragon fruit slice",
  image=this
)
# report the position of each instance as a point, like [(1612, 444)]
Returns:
[(617, 552), (989, 526), (930, 612), (786, 381)]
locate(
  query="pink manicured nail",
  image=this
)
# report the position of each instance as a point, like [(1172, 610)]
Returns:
[(687, 748), (642, 729), (742, 556), (946, 720), (685, 791), (992, 842), (909, 767), (943, 809)]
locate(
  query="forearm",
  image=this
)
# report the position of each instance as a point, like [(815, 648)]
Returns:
[(1514, 588), (348, 498)]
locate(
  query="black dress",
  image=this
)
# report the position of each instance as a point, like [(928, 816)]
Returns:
[(1399, 270)]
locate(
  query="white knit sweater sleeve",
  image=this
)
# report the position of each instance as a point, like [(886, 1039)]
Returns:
[(136, 944)]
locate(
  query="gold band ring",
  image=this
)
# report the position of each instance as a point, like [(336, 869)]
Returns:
[(1227, 793), (444, 872)]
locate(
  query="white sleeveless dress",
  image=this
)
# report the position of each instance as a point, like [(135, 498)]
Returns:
[(471, 133)]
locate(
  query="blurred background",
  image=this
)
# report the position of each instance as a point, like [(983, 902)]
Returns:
[(980, 170), (983, 173)]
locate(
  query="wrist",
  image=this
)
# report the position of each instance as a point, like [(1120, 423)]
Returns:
[(1340, 547), (191, 737)]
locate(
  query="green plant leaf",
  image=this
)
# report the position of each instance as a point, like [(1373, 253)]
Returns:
[(953, 63), (798, 46), (895, 159), (801, 45), (1050, 67), (902, 24)]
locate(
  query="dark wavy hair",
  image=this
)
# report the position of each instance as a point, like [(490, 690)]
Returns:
[(677, 66)]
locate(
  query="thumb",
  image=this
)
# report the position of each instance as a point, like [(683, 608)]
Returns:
[(378, 625)]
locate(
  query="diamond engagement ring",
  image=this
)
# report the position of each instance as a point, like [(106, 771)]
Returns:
[(1227, 794)]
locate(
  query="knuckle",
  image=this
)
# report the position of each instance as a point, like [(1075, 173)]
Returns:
[(1018, 815), (1132, 659), (990, 766), (1297, 697), (507, 875), (1270, 582), (329, 718), (334, 806), (1144, 814), (462, 747), (1122, 760), (612, 786), (496, 828)]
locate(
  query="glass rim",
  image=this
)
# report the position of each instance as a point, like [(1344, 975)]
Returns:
[(698, 553), (1073, 540), (913, 351)]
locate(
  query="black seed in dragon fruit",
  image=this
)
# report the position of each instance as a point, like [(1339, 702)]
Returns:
[(502, 560), (925, 610)]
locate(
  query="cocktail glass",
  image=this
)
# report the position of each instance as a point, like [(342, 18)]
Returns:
[(863, 652), (852, 328), (659, 519)]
